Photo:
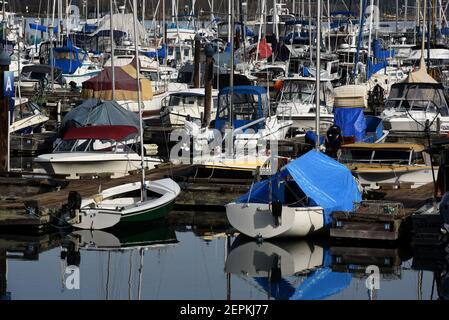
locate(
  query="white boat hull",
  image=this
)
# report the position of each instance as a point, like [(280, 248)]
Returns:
[(75, 165), (416, 178), (257, 221), (80, 78), (405, 124), (308, 121)]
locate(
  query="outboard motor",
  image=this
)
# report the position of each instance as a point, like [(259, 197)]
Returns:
[(334, 140), (71, 209)]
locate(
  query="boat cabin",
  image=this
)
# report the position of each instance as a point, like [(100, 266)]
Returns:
[(37, 73), (250, 107), (68, 58), (383, 153), (424, 97)]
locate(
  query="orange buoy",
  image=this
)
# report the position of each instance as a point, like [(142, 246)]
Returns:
[(278, 84)]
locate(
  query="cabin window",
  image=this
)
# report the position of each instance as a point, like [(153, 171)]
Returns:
[(391, 156), (245, 106), (418, 158), (186, 53), (348, 155), (65, 55)]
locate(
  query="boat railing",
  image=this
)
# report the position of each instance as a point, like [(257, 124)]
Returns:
[(376, 161)]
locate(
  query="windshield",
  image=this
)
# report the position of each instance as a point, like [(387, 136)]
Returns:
[(92, 145), (378, 156), (419, 97)]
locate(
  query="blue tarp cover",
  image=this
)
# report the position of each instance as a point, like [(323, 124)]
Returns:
[(319, 284), (352, 122), (326, 182)]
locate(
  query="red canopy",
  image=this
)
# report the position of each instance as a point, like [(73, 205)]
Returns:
[(117, 133), (265, 50)]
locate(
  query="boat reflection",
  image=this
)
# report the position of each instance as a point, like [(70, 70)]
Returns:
[(287, 270), (113, 249), (309, 269), (145, 236)]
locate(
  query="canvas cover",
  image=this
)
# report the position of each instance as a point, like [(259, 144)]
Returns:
[(94, 112), (350, 96), (352, 122), (420, 76), (123, 22), (100, 87), (326, 182)]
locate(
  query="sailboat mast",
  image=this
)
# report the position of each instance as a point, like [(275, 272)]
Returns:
[(318, 74), (112, 47), (143, 193)]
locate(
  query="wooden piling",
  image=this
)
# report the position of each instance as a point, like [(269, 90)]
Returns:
[(209, 78)]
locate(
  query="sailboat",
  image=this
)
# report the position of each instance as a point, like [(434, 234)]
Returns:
[(134, 202)]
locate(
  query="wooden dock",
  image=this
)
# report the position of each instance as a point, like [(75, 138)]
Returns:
[(386, 218), (36, 211)]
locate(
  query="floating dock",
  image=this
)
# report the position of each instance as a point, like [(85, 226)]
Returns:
[(388, 218)]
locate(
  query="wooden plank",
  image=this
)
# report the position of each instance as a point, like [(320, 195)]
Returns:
[(364, 234)]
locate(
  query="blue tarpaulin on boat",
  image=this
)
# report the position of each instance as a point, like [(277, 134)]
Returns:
[(321, 284), (160, 54), (382, 54), (39, 27), (351, 121), (376, 67), (326, 182)]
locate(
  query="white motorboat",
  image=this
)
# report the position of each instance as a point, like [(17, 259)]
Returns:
[(26, 117), (395, 164), (186, 105), (296, 102), (95, 150)]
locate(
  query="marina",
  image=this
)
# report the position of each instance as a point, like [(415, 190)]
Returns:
[(223, 150)]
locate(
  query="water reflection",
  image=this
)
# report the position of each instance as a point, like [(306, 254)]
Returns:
[(196, 262), (324, 269), (435, 260), (293, 270)]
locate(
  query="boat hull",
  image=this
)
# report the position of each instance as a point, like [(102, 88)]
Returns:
[(75, 169), (257, 221), (308, 121), (413, 175), (96, 213)]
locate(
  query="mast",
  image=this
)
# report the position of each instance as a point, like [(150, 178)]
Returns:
[(112, 47), (329, 24), (143, 193), (229, 21), (164, 30), (397, 16), (310, 32), (318, 74), (231, 80)]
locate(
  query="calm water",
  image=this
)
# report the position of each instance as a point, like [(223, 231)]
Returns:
[(188, 262)]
